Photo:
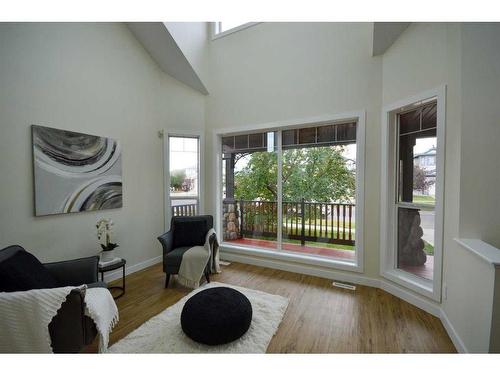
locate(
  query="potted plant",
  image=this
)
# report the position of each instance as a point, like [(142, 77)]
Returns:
[(104, 232)]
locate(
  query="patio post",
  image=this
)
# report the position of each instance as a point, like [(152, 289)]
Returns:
[(303, 229), (241, 218), (230, 163)]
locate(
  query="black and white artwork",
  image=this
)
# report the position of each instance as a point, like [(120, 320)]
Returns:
[(75, 172)]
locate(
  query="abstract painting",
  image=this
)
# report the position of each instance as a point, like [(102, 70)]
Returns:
[(75, 172)]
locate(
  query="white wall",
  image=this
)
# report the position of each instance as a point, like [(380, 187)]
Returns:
[(480, 154), (284, 71), (470, 308), (97, 79), (469, 305)]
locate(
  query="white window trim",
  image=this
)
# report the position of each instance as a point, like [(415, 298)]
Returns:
[(388, 269), (360, 118), (167, 211), (215, 35)]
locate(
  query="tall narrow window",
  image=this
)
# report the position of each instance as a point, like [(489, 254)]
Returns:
[(411, 238), (416, 197), (184, 159)]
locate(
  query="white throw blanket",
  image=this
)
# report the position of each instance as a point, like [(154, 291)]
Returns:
[(195, 260), (101, 308), (25, 317)]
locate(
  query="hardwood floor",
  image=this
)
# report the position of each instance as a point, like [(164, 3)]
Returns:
[(319, 318)]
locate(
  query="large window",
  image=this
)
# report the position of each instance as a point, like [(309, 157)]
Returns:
[(292, 190)]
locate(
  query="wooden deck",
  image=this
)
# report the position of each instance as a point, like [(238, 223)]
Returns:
[(297, 248), (319, 318), (426, 271)]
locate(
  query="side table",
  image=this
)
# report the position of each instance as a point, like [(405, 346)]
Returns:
[(113, 267)]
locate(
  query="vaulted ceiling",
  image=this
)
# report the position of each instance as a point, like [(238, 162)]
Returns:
[(385, 34), (159, 40), (163, 48)]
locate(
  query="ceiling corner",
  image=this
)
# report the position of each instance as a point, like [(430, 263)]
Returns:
[(385, 34)]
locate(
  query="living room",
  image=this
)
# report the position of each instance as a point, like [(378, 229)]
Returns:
[(249, 187)]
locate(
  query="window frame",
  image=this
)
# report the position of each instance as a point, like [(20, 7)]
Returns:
[(166, 134), (360, 118), (390, 202), (215, 26)]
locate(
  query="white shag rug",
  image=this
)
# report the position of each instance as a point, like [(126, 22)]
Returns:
[(163, 333)]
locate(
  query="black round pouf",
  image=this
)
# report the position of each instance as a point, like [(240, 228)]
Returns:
[(216, 316)]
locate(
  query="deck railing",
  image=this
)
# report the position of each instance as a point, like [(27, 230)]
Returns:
[(304, 221), (184, 210)]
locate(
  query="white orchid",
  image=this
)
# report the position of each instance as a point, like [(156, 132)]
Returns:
[(104, 231)]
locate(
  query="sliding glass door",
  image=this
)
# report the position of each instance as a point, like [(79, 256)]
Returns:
[(292, 190)]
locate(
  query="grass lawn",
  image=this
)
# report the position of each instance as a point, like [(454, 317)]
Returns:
[(428, 248), (325, 223), (309, 243), (426, 199)]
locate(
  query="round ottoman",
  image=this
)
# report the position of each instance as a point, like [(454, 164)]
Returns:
[(216, 316)]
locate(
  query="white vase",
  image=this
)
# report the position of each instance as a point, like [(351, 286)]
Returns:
[(106, 256)]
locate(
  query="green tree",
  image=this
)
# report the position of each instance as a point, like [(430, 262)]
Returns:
[(420, 181), (177, 177), (317, 174)]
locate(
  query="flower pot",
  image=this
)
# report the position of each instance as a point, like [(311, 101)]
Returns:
[(108, 255)]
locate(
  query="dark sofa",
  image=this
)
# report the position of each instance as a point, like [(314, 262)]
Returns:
[(70, 330)]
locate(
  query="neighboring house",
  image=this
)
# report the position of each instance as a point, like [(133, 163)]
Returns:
[(427, 161)]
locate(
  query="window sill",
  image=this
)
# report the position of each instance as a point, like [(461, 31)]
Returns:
[(414, 283), (296, 258)]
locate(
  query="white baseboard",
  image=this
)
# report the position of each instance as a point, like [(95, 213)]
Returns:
[(114, 275), (305, 269), (411, 297), (455, 338)]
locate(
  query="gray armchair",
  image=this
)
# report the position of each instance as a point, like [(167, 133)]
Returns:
[(185, 232), (70, 330)]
